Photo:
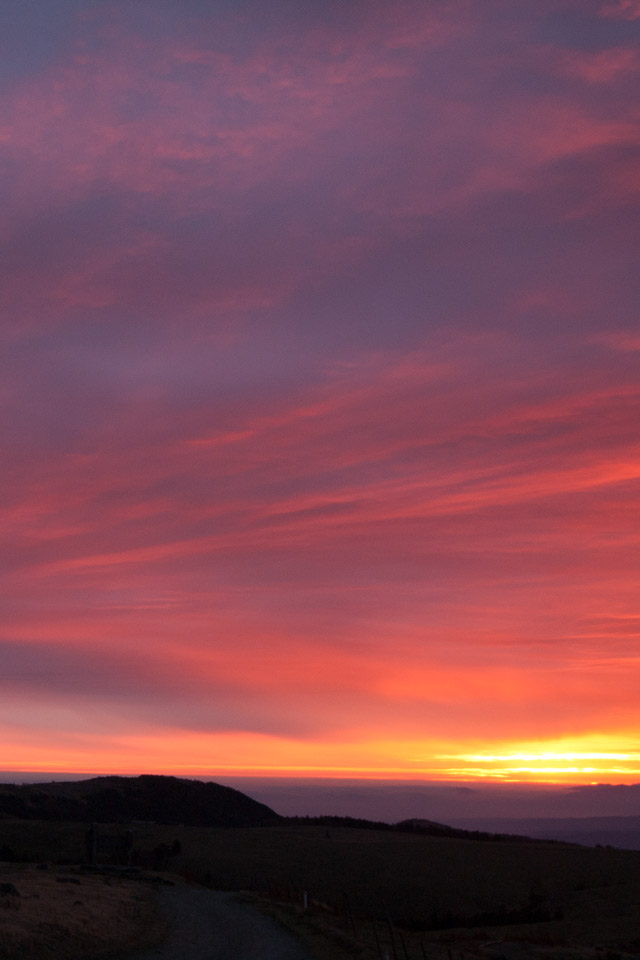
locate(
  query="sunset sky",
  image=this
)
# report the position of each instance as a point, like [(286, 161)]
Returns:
[(320, 388)]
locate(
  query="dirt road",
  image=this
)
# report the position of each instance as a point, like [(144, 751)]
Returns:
[(208, 925)]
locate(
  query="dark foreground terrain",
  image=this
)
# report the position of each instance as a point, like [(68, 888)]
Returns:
[(358, 890)]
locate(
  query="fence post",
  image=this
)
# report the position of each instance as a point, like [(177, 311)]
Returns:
[(350, 923), (375, 934), (404, 946), (128, 848), (392, 939), (91, 844)]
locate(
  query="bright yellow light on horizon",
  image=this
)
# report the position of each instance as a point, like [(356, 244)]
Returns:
[(547, 756), (581, 760), (586, 759)]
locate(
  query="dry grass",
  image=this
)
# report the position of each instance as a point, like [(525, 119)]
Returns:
[(328, 937), (322, 936), (66, 913)]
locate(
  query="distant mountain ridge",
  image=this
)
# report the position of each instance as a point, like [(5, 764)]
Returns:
[(622, 832), (426, 828), (159, 799)]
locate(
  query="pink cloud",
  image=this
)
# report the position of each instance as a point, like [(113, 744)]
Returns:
[(320, 391), (622, 9), (179, 143), (625, 341), (121, 120), (330, 473), (603, 66)]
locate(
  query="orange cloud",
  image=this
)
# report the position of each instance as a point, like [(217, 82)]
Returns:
[(320, 396)]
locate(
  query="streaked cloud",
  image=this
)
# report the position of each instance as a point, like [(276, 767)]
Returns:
[(319, 389)]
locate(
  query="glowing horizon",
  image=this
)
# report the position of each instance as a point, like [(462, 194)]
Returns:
[(530, 765), (320, 388)]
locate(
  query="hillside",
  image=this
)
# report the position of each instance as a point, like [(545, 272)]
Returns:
[(157, 799), (440, 885)]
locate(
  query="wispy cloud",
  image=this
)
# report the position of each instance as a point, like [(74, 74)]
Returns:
[(319, 385)]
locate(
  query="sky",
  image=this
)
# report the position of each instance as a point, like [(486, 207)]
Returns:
[(320, 389)]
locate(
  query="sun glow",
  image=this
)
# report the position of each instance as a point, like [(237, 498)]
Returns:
[(561, 762), (600, 759), (550, 756)]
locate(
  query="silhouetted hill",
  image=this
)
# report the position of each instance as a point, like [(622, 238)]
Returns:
[(426, 828), (430, 828), (156, 799)]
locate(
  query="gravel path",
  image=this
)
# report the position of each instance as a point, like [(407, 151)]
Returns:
[(209, 925)]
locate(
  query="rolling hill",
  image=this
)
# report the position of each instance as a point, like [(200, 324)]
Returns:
[(156, 799)]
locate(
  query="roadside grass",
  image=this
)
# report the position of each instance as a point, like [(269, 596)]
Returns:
[(64, 913), (325, 938), (322, 937)]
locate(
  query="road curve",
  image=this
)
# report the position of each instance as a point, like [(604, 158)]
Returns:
[(210, 925)]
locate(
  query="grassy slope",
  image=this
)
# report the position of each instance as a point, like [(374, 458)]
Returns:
[(62, 913), (415, 879)]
